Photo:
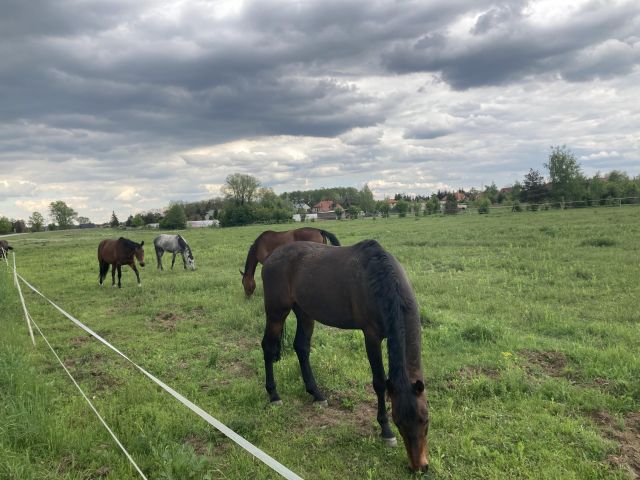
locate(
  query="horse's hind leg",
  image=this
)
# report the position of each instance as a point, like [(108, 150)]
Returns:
[(159, 253), (271, 347), (302, 346), (374, 352)]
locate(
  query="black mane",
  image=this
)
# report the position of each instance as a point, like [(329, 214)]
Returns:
[(129, 244), (393, 304), (251, 253)]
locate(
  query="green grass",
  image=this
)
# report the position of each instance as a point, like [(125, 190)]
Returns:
[(531, 333)]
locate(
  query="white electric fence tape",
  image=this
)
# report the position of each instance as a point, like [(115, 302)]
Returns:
[(89, 402), (249, 447), (24, 306)]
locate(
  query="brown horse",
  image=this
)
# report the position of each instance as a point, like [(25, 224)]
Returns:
[(117, 253), (4, 248), (358, 287), (268, 241)]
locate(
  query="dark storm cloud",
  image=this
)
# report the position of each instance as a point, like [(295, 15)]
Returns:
[(505, 45)]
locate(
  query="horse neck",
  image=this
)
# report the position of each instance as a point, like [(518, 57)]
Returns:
[(252, 261), (404, 347)]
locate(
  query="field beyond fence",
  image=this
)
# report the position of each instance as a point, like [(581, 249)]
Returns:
[(531, 333)]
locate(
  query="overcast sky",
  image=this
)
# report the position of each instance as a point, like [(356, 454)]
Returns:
[(120, 105)]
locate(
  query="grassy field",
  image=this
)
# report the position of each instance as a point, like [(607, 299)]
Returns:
[(531, 336)]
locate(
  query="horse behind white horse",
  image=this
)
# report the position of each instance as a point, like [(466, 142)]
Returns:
[(174, 244)]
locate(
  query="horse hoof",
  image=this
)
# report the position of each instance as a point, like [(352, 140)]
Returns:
[(276, 403), (321, 403), (390, 442)]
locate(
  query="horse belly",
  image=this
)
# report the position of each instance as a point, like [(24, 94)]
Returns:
[(333, 312)]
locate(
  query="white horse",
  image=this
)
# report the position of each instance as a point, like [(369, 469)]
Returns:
[(174, 244)]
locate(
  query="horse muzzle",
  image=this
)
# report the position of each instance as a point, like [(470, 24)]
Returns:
[(142, 264)]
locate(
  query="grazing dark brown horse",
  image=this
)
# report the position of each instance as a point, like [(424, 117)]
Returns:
[(4, 248), (268, 241), (117, 253), (357, 287)]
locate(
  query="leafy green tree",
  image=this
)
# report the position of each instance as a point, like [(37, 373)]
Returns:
[(483, 206), (339, 211), (62, 214), (36, 221), (417, 207), (490, 192), (384, 208), (353, 212), (5, 225), (114, 222), (234, 215), (18, 226), (433, 205), (175, 218), (533, 190), (402, 207), (241, 188), (83, 220), (451, 204), (138, 221), (367, 202), (565, 174)]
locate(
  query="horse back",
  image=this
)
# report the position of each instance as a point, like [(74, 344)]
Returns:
[(328, 283)]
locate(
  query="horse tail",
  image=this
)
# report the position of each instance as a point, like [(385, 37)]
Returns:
[(104, 269), (330, 237), (393, 305)]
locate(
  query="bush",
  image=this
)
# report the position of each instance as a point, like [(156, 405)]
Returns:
[(175, 218), (516, 207), (483, 206)]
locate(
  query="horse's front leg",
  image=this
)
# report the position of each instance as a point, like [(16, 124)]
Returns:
[(271, 346), (374, 352), (133, 267), (119, 276), (184, 260), (113, 274), (302, 346), (173, 260)]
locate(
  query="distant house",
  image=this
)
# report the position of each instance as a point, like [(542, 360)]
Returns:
[(325, 206), (326, 209), (203, 223), (301, 206), (460, 196), (153, 225)]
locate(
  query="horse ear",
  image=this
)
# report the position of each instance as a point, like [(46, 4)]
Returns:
[(389, 387), (142, 243), (418, 387)]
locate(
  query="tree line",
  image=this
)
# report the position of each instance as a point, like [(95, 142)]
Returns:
[(244, 200)]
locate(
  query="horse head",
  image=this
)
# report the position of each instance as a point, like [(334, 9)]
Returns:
[(139, 253), (191, 262), (248, 282), (410, 413)]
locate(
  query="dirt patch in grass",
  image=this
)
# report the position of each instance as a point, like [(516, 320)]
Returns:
[(200, 445), (628, 438), (552, 363), (165, 321), (472, 371), (359, 416), (79, 341)]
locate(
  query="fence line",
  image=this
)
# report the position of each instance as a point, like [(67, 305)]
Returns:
[(113, 435), (241, 441), (24, 306)]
